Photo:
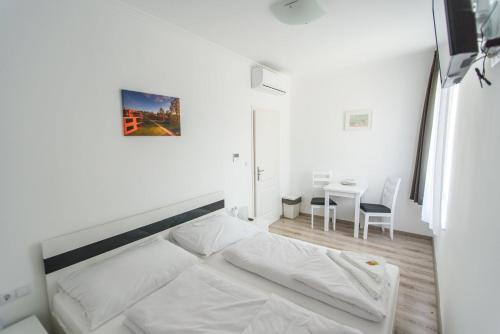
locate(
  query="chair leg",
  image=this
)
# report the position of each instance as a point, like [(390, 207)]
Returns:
[(312, 217), (334, 217), (365, 229), (392, 228)]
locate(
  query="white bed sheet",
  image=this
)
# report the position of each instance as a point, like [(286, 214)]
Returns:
[(307, 269), (70, 317), (200, 300), (385, 326)]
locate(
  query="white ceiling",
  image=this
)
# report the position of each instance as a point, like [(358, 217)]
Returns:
[(351, 32)]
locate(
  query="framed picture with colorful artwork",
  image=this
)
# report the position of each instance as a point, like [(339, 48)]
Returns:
[(146, 114), (358, 120)]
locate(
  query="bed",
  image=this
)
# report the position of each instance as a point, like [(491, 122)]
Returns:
[(74, 251), (80, 249)]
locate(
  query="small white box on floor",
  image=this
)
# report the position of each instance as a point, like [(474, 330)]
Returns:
[(291, 206)]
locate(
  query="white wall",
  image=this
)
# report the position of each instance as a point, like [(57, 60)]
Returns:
[(468, 252), (65, 163), (394, 90)]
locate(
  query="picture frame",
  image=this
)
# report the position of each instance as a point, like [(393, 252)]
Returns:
[(358, 120), (146, 114)]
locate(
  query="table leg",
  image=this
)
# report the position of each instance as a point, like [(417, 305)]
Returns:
[(327, 211), (356, 216)]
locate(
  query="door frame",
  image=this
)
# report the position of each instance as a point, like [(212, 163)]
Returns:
[(253, 213), (252, 170)]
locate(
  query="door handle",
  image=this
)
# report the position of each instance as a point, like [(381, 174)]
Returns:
[(259, 171)]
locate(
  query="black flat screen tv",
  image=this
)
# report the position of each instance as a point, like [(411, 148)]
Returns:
[(456, 38)]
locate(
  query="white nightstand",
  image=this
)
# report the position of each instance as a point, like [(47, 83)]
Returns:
[(29, 325)]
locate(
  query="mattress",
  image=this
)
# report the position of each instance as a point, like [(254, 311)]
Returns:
[(69, 314)]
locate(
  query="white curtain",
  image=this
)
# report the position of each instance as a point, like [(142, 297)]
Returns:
[(434, 206)]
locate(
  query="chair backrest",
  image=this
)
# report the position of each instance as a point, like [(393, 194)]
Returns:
[(390, 192), (321, 179)]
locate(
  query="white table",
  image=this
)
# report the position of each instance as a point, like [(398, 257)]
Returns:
[(29, 325), (340, 190)]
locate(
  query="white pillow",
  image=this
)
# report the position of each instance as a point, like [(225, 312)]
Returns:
[(107, 288), (212, 234)]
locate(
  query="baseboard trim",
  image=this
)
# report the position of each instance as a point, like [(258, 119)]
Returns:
[(438, 299), (341, 221)]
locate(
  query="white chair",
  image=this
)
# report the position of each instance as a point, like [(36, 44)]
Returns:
[(320, 180), (385, 210)]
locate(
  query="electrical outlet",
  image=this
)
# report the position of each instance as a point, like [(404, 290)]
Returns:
[(12, 295)]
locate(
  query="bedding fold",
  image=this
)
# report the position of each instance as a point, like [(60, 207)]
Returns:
[(197, 301), (375, 289), (374, 266), (326, 276), (200, 301), (278, 315), (308, 270)]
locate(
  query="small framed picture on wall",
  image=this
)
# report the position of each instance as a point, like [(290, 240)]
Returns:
[(358, 120)]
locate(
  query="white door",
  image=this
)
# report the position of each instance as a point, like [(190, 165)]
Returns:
[(267, 202)]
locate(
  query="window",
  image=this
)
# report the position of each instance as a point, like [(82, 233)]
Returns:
[(448, 152), (438, 174)]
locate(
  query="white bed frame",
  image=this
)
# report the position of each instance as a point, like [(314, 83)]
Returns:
[(175, 214), (73, 247)]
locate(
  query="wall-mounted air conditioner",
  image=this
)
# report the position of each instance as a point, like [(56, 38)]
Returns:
[(267, 81)]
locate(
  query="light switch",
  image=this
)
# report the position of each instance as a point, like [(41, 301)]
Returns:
[(23, 291)]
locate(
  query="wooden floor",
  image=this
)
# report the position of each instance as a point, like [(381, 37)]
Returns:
[(416, 309)]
